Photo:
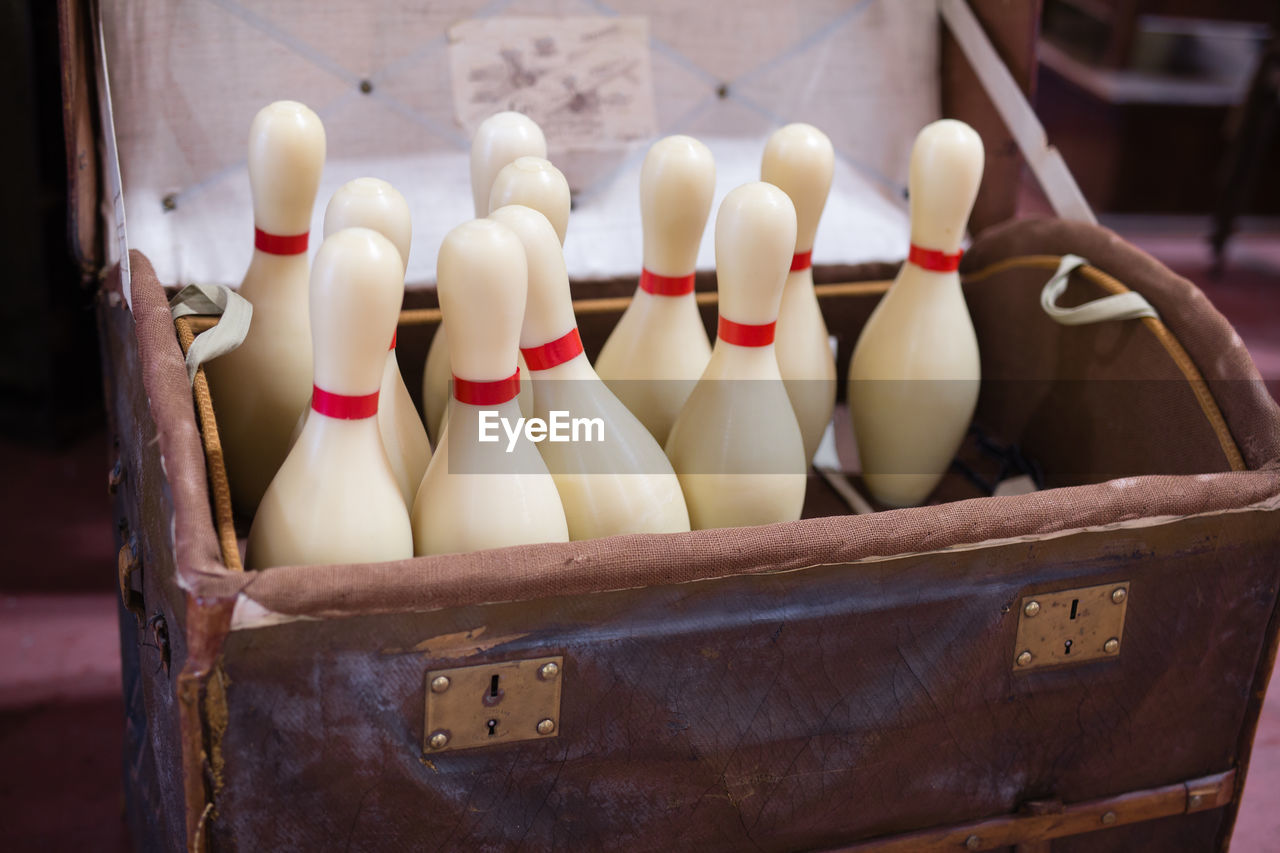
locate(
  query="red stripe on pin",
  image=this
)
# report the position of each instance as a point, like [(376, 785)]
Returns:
[(555, 352), (665, 285), (344, 406), (933, 260), (801, 261), (393, 341), (279, 244), (744, 334), (487, 393)]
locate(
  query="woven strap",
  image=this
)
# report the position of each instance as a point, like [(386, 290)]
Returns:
[(1117, 306), (212, 299)]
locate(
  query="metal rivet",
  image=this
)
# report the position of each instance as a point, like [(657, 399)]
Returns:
[(973, 842), (546, 727), (1032, 608), (116, 477), (439, 740), (440, 684), (1118, 595), (1195, 801), (1024, 658), (366, 86), (1111, 646), (169, 202), (548, 671), (1108, 818)]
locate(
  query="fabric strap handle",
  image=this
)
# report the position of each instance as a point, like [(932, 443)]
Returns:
[(212, 299), (1117, 306)]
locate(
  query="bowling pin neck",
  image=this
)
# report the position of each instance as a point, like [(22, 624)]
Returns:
[(745, 335), (487, 393), (734, 361), (284, 245), (325, 422), (933, 260), (277, 277), (801, 276), (575, 367), (343, 407), (286, 156), (465, 412), (666, 286), (924, 283), (552, 359), (677, 182)]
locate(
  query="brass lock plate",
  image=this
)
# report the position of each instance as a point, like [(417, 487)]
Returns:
[(472, 706), (1070, 626)]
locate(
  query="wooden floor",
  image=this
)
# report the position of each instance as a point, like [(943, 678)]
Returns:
[(60, 712)]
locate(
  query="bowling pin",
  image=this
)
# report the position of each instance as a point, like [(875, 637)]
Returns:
[(913, 378), (335, 500), (655, 354), (535, 183), (484, 494), (372, 203), (736, 445), (499, 140), (622, 482), (260, 388), (799, 160)]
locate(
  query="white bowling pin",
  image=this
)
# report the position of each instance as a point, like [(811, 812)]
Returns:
[(260, 389), (373, 203), (535, 183), (479, 494), (655, 354), (618, 481), (736, 445), (335, 499), (799, 160), (913, 378), (499, 140)]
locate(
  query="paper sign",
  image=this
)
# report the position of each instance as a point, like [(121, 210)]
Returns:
[(586, 81)]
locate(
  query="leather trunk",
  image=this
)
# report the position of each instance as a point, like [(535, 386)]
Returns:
[(840, 682)]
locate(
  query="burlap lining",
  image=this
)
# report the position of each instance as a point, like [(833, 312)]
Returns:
[(188, 327)]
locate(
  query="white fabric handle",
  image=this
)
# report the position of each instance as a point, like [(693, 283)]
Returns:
[(1118, 306), (236, 313)]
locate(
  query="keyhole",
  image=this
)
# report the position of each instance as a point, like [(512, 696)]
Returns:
[(1066, 647), (1075, 602), (493, 682), (493, 724), (494, 694)]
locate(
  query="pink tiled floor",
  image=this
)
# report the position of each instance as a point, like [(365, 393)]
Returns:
[(60, 712)]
